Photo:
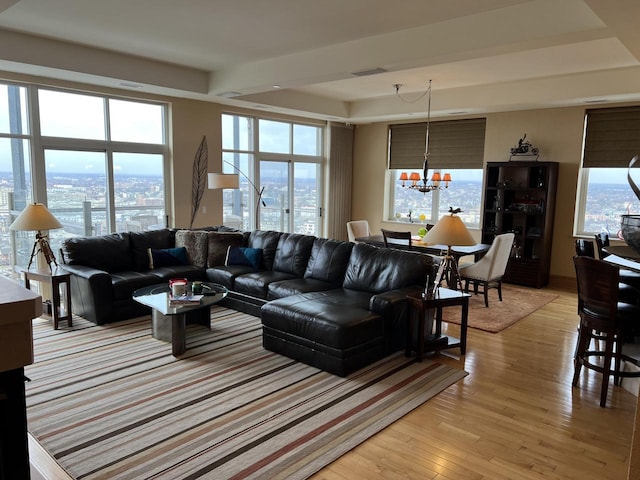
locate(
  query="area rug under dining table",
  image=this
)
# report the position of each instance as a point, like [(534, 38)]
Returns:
[(110, 402)]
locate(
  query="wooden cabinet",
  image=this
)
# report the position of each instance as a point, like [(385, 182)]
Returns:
[(519, 197)]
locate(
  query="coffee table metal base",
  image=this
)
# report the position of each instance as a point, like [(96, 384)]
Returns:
[(172, 328)]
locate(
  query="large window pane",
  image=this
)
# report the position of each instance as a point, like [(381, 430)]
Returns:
[(305, 198), (465, 192), (136, 122), (237, 132), (138, 191), (15, 193), (306, 140), (71, 115), (274, 177), (13, 110), (275, 137), (608, 196), (76, 193), (238, 205)]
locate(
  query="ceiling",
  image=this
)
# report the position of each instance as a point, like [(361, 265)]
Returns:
[(306, 57)]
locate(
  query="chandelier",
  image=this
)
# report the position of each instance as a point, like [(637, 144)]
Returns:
[(423, 184)]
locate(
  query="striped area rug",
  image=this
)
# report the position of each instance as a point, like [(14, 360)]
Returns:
[(110, 402)]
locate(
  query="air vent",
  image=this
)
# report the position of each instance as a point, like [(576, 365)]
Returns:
[(364, 73)]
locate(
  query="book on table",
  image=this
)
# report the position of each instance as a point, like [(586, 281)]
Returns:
[(186, 299)]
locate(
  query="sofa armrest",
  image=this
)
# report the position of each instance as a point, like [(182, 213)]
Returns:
[(382, 302), (91, 293)]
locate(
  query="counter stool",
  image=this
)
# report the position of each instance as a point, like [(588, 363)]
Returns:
[(603, 318)]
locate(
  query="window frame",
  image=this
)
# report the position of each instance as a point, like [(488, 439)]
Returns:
[(256, 156)]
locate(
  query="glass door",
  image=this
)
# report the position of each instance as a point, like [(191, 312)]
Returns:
[(275, 211)]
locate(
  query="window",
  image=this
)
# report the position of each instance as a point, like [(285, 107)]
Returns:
[(454, 146), (98, 162), (465, 192), (285, 166), (612, 138)]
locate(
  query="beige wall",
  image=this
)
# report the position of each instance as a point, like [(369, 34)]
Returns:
[(557, 132)]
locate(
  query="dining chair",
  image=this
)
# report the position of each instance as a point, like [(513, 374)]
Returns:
[(603, 317), (489, 270), (393, 239), (357, 229)]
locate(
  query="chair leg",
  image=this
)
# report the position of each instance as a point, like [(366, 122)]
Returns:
[(581, 347), (486, 294), (500, 289), (466, 285), (606, 371)]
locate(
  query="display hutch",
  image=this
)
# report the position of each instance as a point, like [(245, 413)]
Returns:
[(519, 197)]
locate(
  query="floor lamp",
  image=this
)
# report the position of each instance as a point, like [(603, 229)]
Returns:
[(232, 181), (450, 230), (37, 217)]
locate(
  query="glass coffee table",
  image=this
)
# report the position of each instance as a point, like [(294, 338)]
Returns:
[(168, 322)]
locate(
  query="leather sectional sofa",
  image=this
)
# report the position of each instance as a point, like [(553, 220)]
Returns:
[(336, 305)]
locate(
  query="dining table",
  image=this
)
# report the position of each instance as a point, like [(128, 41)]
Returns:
[(623, 256), (457, 251)]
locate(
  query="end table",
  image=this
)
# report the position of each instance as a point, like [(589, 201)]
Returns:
[(442, 298), (55, 278)]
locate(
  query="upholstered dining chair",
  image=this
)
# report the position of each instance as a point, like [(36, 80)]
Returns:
[(489, 270), (357, 228), (394, 239), (602, 317)]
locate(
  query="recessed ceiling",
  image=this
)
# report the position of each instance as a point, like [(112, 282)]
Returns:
[(482, 55)]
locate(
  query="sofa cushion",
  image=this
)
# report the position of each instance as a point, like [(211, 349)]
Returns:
[(219, 243), (268, 242), (195, 241), (251, 257), (256, 284), (292, 253), (141, 242), (125, 283), (372, 269), (328, 260), (167, 257), (285, 288), (111, 253), (324, 318), (226, 275)]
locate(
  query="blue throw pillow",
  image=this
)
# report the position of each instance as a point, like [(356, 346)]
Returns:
[(167, 257), (244, 256)]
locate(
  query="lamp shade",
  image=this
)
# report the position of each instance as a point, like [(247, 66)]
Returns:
[(223, 180), (450, 230), (35, 216)]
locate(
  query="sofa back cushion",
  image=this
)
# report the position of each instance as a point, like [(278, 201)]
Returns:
[(110, 253), (374, 270), (196, 243), (219, 243), (328, 260), (141, 242), (267, 240), (292, 254)]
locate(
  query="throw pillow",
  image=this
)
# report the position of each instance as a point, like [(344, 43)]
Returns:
[(219, 243), (167, 257), (195, 241), (244, 256)]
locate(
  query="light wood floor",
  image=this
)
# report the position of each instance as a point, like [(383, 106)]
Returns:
[(515, 416)]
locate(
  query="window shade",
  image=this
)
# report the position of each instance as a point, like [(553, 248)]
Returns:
[(612, 137), (452, 144)]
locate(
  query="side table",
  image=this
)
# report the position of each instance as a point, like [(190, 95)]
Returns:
[(55, 278), (442, 298)]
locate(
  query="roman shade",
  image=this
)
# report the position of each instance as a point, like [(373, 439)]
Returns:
[(452, 144), (612, 137)]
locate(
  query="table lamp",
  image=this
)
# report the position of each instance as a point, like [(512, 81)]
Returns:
[(449, 231), (36, 217)]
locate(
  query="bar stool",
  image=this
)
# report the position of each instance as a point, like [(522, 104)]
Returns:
[(604, 318)]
